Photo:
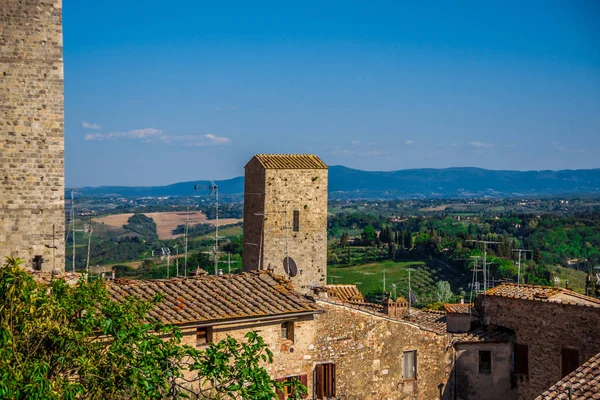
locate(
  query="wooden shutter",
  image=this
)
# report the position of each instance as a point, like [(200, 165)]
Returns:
[(320, 381), (280, 394), (521, 362), (570, 361), (332, 380), (304, 381)]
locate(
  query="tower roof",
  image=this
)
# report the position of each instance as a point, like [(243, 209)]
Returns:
[(290, 161)]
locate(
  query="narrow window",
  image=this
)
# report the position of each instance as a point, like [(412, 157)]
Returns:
[(37, 263), (521, 359), (324, 380), (485, 362), (203, 336), (289, 392), (570, 361), (287, 330), (410, 364), (296, 222)]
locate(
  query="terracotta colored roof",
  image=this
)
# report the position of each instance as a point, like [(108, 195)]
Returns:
[(290, 161), (349, 293), (458, 308), (542, 293), (429, 319), (488, 334), (216, 298), (584, 383)]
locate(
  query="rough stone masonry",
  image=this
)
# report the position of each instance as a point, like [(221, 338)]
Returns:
[(32, 133)]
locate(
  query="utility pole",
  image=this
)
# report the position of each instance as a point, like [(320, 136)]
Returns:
[(187, 218), (520, 251), (485, 274)]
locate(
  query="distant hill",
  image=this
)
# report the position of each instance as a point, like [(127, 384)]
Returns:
[(347, 183)]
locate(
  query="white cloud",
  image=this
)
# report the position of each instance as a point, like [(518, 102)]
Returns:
[(409, 142), (146, 133), (481, 145), (93, 126), (564, 149), (355, 142), (217, 140)]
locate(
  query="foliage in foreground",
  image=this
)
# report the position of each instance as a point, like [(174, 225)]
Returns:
[(63, 342)]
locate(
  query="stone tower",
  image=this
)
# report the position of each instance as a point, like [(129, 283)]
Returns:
[(285, 217), (32, 221)]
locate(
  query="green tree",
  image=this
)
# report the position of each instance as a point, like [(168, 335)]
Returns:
[(368, 235), (143, 225), (75, 342), (443, 292)]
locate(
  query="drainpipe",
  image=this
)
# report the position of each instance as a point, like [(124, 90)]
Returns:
[(570, 392), (454, 373)]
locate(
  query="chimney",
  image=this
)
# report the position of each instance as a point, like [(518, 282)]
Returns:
[(462, 300), (567, 284)]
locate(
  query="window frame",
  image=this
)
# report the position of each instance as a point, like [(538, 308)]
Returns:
[(521, 365), (486, 369), (296, 220), (569, 360), (207, 336), (406, 374), (324, 380), (288, 328)]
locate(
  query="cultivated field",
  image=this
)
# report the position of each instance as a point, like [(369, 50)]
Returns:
[(166, 221)]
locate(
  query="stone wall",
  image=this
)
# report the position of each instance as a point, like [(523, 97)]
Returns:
[(471, 383), (546, 328), (31, 132), (368, 350), (286, 190)]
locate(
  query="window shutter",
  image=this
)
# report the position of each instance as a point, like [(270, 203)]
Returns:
[(570, 361), (319, 381), (521, 366), (332, 380), (304, 381), (280, 394)]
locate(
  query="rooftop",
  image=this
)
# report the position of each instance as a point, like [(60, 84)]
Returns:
[(543, 293), (458, 308), (346, 293), (584, 383), (290, 161), (490, 333), (206, 299), (428, 319)]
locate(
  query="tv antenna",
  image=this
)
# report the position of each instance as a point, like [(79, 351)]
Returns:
[(411, 296), (519, 268), (166, 253), (485, 273), (214, 189), (73, 230), (88, 229), (176, 247)]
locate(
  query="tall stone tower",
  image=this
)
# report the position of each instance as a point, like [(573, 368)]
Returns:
[(32, 216), (285, 217)]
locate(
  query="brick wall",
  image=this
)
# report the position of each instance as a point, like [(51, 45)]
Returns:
[(546, 328), (31, 131)]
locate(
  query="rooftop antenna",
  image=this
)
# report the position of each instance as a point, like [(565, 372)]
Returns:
[(411, 296), (229, 263), (394, 290), (384, 281), (485, 274), (214, 189), (519, 270), (177, 258), (474, 280), (166, 253), (89, 231)]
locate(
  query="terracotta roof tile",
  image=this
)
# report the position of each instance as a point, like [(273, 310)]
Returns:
[(487, 334), (290, 161), (542, 293), (584, 383), (349, 293), (429, 319), (458, 308), (215, 298)]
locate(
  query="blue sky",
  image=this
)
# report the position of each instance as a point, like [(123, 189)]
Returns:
[(160, 92)]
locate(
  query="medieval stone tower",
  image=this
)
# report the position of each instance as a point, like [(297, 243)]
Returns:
[(31, 133), (285, 217)]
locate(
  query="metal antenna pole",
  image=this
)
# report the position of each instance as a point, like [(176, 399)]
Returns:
[(177, 259), (485, 243), (73, 225), (216, 189), (519, 268), (287, 255), (187, 217), (87, 266), (384, 281)]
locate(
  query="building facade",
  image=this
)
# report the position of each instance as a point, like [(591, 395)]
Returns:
[(31, 133), (285, 217)]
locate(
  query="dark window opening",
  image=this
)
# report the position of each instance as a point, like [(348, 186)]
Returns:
[(409, 370), (287, 330), (203, 336), (324, 380), (521, 359), (485, 361), (570, 361), (37, 263), (289, 265), (296, 222)]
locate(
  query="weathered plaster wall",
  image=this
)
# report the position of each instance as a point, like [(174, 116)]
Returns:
[(367, 351), (287, 190), (470, 383), (546, 328), (31, 131)]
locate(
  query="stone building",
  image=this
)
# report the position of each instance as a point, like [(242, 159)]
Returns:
[(581, 384), (285, 217), (556, 330), (31, 133)]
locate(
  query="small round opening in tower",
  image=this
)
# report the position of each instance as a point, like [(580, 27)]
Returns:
[(289, 265)]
